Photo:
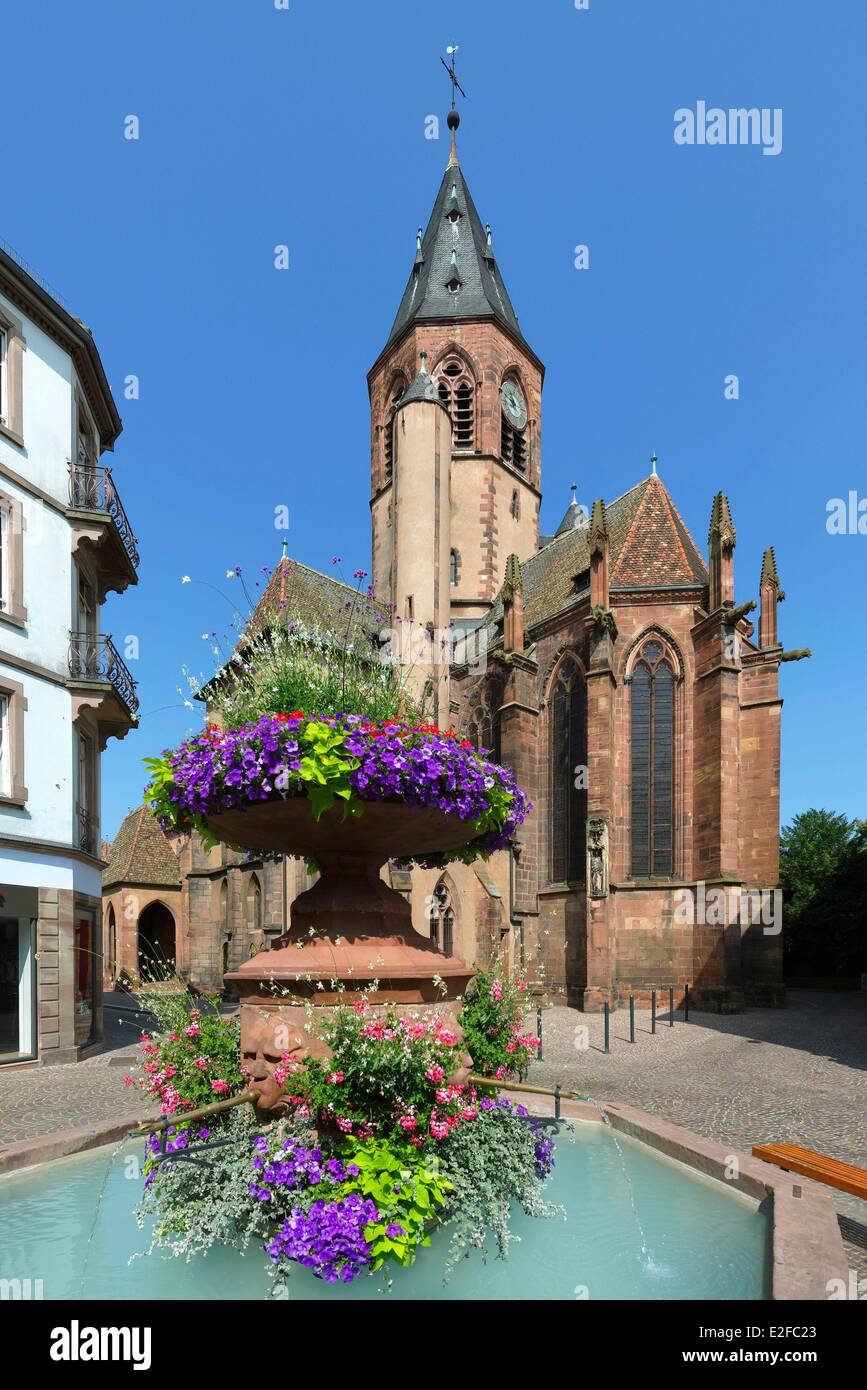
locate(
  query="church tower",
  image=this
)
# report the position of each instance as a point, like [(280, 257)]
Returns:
[(456, 319)]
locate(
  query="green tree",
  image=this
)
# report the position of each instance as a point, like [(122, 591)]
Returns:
[(823, 872)]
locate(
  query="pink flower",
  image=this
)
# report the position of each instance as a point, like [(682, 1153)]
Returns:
[(446, 1038), (497, 990), (499, 1073), (129, 1081), (510, 1047), (221, 1086), (191, 1031), (469, 1112), (360, 1006), (201, 1063), (408, 1122), (435, 1072), (522, 985), (344, 1125), (145, 1037), (195, 1013), (334, 1078)]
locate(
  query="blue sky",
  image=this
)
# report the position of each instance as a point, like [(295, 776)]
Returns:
[(306, 127)]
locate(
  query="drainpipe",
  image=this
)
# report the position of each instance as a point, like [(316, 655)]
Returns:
[(515, 920), (285, 899)]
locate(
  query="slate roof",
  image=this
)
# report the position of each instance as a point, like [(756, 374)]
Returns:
[(649, 544), (141, 854), (298, 593), (482, 292)]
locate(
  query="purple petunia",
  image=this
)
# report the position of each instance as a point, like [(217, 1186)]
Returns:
[(220, 770)]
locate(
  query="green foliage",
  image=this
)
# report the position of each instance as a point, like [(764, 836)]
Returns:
[(491, 1020), (823, 872), (297, 666), (195, 1208), (490, 1164), (192, 1060), (408, 1190)]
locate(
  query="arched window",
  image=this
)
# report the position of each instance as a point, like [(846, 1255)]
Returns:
[(483, 730), (389, 443), (567, 818), (652, 762), (224, 906), (442, 920), (515, 506), (513, 443), (454, 567), (455, 385), (254, 906)]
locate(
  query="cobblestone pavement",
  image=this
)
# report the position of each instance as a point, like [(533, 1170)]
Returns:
[(41, 1100), (795, 1074)]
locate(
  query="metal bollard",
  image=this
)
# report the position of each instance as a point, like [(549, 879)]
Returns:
[(557, 1101), (607, 1022), (671, 1007), (653, 1011), (632, 1018), (539, 1031), (686, 1003)]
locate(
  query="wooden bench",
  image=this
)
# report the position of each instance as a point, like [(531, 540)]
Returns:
[(844, 1176)]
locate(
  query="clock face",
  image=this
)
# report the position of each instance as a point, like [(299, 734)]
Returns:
[(514, 405)]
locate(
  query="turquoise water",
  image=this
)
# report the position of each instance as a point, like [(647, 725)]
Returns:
[(701, 1241)]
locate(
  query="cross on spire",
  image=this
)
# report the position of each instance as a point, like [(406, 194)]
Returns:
[(451, 51)]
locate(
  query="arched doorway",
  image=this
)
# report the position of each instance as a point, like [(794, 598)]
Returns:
[(156, 942), (110, 964)]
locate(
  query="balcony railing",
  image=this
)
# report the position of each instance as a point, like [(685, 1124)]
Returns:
[(92, 489), (87, 827), (94, 657)]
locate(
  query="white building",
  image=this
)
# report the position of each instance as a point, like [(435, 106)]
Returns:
[(65, 542)]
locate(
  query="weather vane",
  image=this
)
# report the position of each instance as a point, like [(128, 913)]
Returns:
[(451, 51)]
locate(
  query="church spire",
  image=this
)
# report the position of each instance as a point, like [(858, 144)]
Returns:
[(454, 275)]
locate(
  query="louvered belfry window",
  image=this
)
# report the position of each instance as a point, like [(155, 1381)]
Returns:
[(568, 752), (456, 393), (652, 697), (390, 450)]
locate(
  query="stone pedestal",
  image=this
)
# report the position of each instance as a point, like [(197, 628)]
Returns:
[(351, 935)]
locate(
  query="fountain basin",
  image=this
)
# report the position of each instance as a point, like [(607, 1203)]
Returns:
[(703, 1243), (749, 1237)]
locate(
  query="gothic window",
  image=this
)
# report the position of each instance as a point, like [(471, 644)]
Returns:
[(652, 759), (483, 730), (567, 816), (515, 506), (390, 449), (455, 386), (442, 920), (254, 906), (454, 567)]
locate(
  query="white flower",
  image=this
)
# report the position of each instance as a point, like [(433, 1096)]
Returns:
[(186, 579), (230, 574)]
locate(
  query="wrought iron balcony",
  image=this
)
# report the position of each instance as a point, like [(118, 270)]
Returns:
[(87, 830), (94, 657), (92, 489)]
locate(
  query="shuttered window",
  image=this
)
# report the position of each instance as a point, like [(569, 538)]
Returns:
[(568, 754), (652, 730), (456, 393), (390, 451)]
